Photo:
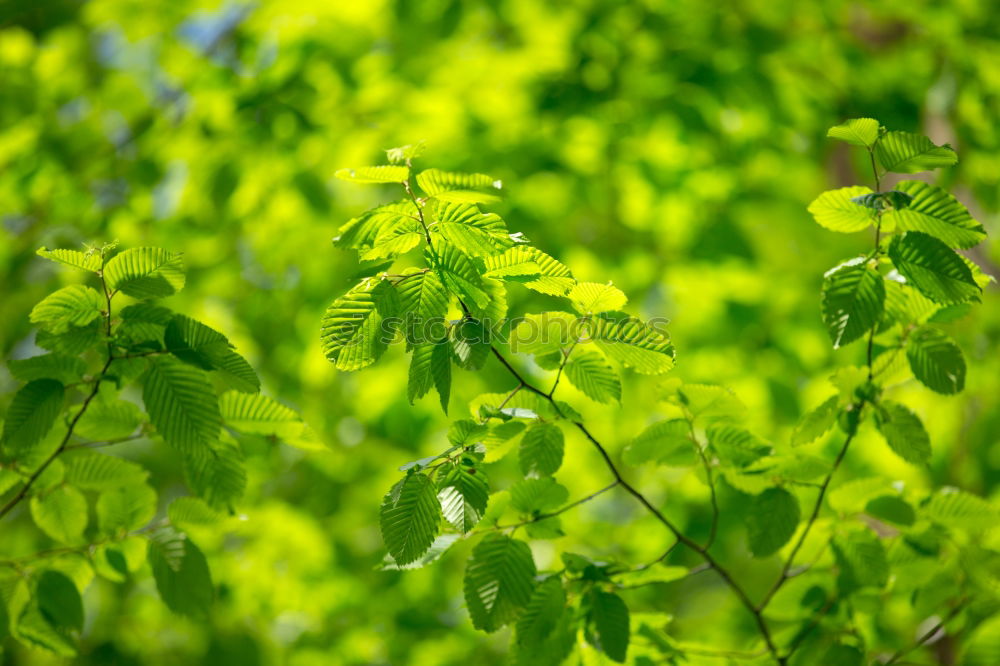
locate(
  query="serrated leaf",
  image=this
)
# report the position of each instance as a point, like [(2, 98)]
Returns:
[(440, 546), (145, 273), (891, 508), (374, 174), (356, 328), (934, 211), (143, 322), (499, 581), (546, 332), (74, 341), (706, 402), (589, 372), (903, 432), (259, 414), (30, 416), (125, 508), (430, 366), (836, 211), (856, 131), (361, 232), (52, 616), (663, 443), (217, 475), (88, 261), (853, 301), (541, 617), (816, 423), (592, 297), (632, 343), (109, 419), (956, 508), (181, 573), (436, 182), (610, 619), (60, 367), (464, 493), (735, 445), (192, 511), (862, 560), (475, 232), (903, 152), (936, 360), (94, 471), (470, 343), (458, 273), (538, 495), (182, 404), (541, 451), (75, 305), (61, 513), (409, 517), (204, 347), (423, 302), (771, 519), (532, 268)]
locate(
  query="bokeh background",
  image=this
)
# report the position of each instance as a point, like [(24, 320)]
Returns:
[(671, 147)]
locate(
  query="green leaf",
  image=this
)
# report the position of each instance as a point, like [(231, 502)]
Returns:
[(74, 341), (125, 508), (374, 174), (532, 268), (75, 305), (538, 495), (903, 152), (934, 211), (394, 240), (546, 332), (145, 272), (706, 402), (853, 301), (816, 423), (663, 443), (217, 475), (204, 347), (143, 322), (735, 445), (936, 360), (30, 416), (470, 343), (423, 301), (461, 187), (109, 419), (257, 414), (410, 517), (856, 131), (356, 328), (458, 273), (982, 646), (430, 366), (475, 232), (464, 493), (541, 452), (88, 261), (544, 633), (592, 297), (891, 508), (61, 513), (771, 519), (610, 619), (836, 211), (842, 655), (53, 617), (589, 372), (182, 404), (632, 343), (60, 367), (192, 512), (862, 560), (903, 432), (440, 546), (954, 508), (499, 581), (403, 153), (361, 233), (181, 573), (94, 471)]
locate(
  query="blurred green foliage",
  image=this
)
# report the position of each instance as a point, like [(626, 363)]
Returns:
[(672, 147)]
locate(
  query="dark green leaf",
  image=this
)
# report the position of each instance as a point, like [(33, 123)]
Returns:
[(499, 581), (853, 299), (30, 416), (903, 152), (933, 268), (181, 573), (181, 404), (410, 517), (610, 619), (771, 518), (541, 451), (904, 432), (936, 360)]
